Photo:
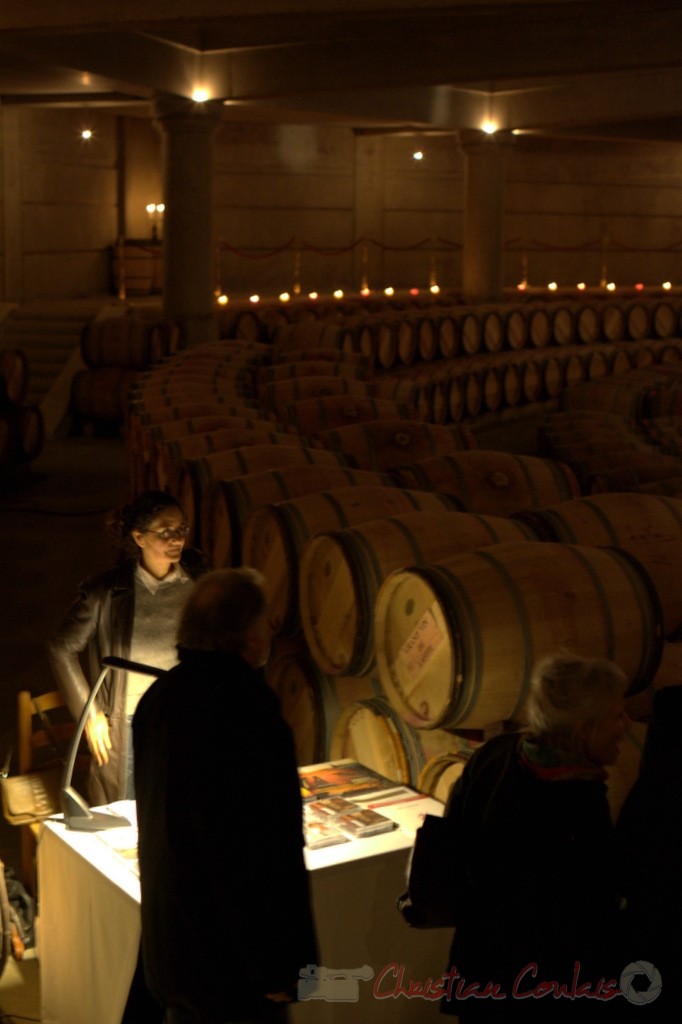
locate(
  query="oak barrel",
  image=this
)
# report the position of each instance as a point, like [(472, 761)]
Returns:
[(381, 444), (456, 641), (492, 482), (648, 526), (372, 733), (228, 502), (274, 535), (341, 572), (194, 476)]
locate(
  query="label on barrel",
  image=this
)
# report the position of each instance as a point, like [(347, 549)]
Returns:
[(421, 645)]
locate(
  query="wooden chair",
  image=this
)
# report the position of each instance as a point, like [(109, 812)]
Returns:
[(45, 729)]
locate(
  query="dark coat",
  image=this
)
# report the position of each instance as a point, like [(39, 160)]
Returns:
[(100, 623), (226, 915), (536, 886), (649, 831)]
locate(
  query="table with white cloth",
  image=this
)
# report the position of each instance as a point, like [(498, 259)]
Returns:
[(89, 926)]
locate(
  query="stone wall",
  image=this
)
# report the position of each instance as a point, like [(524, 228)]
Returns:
[(323, 207)]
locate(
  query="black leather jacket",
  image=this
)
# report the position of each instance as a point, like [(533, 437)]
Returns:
[(98, 624)]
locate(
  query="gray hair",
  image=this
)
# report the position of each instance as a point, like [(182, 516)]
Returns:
[(221, 607), (569, 691)]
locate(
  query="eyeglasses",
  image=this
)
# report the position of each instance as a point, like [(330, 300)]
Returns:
[(179, 533)]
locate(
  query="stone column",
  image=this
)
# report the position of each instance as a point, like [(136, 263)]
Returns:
[(369, 207), (484, 173), (188, 131)]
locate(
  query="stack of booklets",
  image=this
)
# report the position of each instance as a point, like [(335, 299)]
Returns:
[(341, 778), (331, 794)]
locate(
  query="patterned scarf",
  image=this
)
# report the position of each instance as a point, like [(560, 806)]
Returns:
[(552, 765)]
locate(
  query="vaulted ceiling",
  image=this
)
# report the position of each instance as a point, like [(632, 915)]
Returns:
[(585, 69)]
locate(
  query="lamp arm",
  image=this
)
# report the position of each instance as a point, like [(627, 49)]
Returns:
[(77, 814)]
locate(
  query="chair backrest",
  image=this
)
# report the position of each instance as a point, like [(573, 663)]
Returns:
[(45, 729)]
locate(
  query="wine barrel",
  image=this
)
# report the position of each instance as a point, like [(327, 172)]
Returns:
[(310, 701), (370, 732), (141, 423), (638, 320), (265, 375), (117, 341), (427, 339), (664, 320), (517, 329), (613, 322), (563, 325), (588, 325), (341, 572), (101, 393), (441, 771), (381, 444), (142, 438), (325, 355), (22, 434), (193, 476), (311, 415), (470, 332), (540, 327), (448, 336), (456, 642), (167, 456), (623, 470), (197, 384), (240, 324), (278, 395), (13, 376), (648, 526), (492, 482), (273, 535), (227, 503)]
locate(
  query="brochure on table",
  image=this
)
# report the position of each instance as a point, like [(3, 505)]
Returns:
[(367, 790), (114, 851)]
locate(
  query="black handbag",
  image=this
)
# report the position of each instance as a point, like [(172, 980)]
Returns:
[(429, 901)]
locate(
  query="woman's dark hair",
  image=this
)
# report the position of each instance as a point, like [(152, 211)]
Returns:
[(138, 515)]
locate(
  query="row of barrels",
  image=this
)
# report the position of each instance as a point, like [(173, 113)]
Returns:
[(608, 452), (454, 639), (241, 484), (248, 507), (135, 339), (408, 337), (22, 429), (392, 338), (456, 389), (334, 717), (114, 349)]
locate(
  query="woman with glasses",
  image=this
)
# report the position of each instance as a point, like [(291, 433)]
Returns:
[(131, 612)]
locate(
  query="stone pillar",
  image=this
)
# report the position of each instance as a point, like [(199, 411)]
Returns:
[(484, 173), (188, 131), (369, 208)]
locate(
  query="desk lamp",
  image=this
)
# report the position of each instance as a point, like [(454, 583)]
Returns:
[(77, 814)]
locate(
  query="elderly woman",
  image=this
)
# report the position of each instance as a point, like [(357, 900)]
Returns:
[(130, 611), (541, 933)]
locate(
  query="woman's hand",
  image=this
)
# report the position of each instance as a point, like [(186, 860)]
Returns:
[(97, 735)]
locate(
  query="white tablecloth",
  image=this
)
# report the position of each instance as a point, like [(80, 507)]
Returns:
[(89, 928)]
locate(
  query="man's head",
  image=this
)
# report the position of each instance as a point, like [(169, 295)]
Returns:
[(227, 611)]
